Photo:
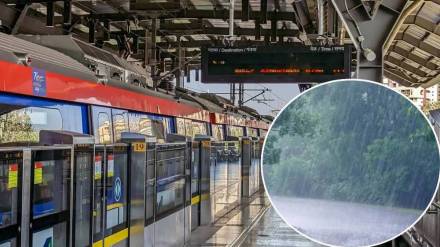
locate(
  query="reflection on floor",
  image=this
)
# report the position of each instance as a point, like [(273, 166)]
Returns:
[(255, 223), (272, 231)]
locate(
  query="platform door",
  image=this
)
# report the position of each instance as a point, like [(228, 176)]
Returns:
[(82, 213), (51, 179), (195, 185), (110, 208), (10, 197)]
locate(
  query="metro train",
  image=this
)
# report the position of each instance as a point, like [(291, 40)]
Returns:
[(201, 156)]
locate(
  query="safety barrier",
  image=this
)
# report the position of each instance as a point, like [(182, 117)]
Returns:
[(70, 192)]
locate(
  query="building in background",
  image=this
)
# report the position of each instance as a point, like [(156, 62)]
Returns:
[(421, 97)]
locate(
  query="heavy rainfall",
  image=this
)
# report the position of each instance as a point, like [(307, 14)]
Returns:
[(351, 163)]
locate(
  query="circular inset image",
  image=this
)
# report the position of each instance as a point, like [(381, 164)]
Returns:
[(351, 163)]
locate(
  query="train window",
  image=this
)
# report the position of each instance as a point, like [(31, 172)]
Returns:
[(148, 125), (235, 131), (180, 126), (21, 118), (51, 173), (120, 123), (218, 132), (199, 128), (251, 132), (188, 127), (263, 133), (10, 162), (102, 125), (22, 125)]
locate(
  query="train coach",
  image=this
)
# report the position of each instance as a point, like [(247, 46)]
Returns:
[(89, 156)]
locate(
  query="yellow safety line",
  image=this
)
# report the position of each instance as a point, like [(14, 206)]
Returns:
[(114, 205), (195, 200), (113, 239)]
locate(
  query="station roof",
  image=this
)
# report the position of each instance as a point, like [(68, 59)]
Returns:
[(413, 58)]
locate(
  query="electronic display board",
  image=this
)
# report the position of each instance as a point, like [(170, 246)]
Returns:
[(275, 64)]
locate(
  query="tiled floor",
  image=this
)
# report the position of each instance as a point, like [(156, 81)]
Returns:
[(272, 231), (253, 224), (228, 228)]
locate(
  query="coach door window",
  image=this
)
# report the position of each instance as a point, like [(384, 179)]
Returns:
[(120, 123), (217, 132), (180, 126), (199, 128), (102, 125)]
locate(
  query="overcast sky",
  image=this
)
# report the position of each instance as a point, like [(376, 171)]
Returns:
[(280, 95)]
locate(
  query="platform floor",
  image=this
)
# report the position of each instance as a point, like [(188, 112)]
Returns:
[(254, 223)]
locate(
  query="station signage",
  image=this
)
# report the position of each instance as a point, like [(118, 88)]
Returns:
[(275, 64)]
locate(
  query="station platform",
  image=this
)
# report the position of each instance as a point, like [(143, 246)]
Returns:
[(254, 223)]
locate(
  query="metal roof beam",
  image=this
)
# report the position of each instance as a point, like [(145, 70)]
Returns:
[(369, 31), (220, 31), (398, 77), (196, 14), (405, 66), (418, 43), (413, 57), (200, 43)]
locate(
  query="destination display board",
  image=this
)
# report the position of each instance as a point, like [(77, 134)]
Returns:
[(275, 64)]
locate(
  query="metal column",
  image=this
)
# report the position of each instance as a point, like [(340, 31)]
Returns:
[(206, 216), (245, 165), (368, 24)]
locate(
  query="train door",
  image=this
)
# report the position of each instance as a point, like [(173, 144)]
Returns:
[(110, 211), (11, 163), (51, 179)]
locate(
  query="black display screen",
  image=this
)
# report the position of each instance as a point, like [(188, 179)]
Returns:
[(275, 64)]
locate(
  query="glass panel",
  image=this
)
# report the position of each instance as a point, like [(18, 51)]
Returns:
[(53, 236), (8, 243), (188, 127), (21, 118), (195, 170), (10, 177), (199, 128), (170, 163), (170, 172), (83, 185), (251, 132), (150, 186), (235, 131), (116, 189), (170, 196), (148, 125), (102, 125), (120, 123), (180, 126), (217, 132), (263, 133), (99, 194), (51, 173)]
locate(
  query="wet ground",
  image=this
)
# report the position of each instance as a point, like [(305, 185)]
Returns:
[(344, 223), (255, 223), (271, 231)]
